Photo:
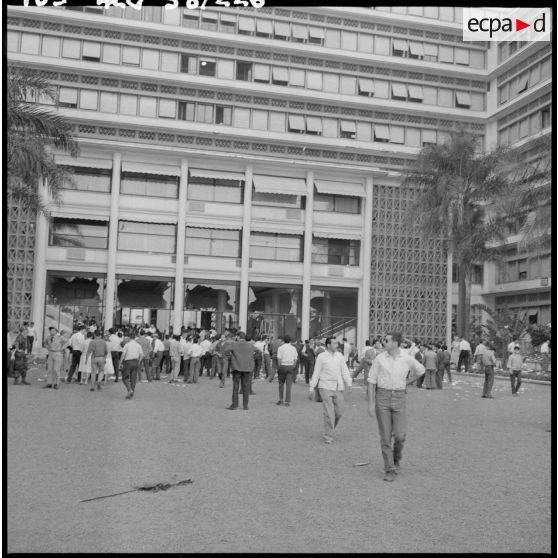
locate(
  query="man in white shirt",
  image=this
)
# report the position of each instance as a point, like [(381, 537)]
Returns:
[(287, 357), (158, 351), (185, 343), (330, 377), (115, 348), (31, 337), (479, 351), (388, 380), (77, 342), (205, 363), (464, 355), (195, 352), (132, 354)]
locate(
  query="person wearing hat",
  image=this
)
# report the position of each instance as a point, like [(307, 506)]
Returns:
[(54, 343)]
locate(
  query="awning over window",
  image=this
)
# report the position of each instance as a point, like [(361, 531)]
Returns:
[(399, 90), (314, 124), (415, 92), (300, 31), (416, 49), (348, 126), (316, 32), (399, 44), (261, 72), (340, 235), (68, 95), (148, 168), (280, 74), (279, 185), (209, 16), (430, 49), (296, 122), (151, 217), (522, 84), (340, 188), (381, 131), (463, 98), (282, 29), (265, 228), (246, 24), (224, 225), (228, 18), (223, 175), (92, 50), (366, 85), (264, 26), (70, 215), (86, 163)]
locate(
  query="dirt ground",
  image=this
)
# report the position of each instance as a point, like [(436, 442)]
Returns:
[(475, 477)]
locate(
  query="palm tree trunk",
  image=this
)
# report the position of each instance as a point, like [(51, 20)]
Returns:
[(468, 281), (462, 326)]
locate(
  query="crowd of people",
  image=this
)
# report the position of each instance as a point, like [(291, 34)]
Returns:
[(327, 366)]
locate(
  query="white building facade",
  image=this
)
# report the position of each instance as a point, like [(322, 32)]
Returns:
[(242, 167)]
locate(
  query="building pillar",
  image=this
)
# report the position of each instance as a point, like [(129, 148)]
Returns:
[(366, 263), (449, 300), (245, 255), (326, 310), (221, 309), (39, 270), (307, 260), (180, 242), (110, 289)]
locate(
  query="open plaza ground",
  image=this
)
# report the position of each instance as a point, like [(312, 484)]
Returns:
[(475, 475)]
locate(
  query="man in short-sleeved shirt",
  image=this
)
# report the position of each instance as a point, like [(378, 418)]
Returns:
[(388, 379)]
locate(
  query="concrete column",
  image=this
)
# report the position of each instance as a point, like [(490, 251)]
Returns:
[(245, 256), (180, 241), (449, 300), (110, 289), (326, 310), (39, 270), (307, 260), (221, 308), (366, 262)]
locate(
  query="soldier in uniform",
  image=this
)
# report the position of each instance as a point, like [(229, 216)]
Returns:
[(20, 358)]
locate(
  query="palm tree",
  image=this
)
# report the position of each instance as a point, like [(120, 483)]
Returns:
[(459, 187), (532, 194), (500, 328), (33, 129)]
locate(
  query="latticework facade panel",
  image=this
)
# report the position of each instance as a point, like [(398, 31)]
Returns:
[(21, 248), (408, 275)]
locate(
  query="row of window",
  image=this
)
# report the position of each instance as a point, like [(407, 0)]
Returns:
[(161, 239), (507, 49), (152, 59), (524, 269), (204, 189), (316, 35), (442, 13), (527, 126), (525, 80), (254, 119)]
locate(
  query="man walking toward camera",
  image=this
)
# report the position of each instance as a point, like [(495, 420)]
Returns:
[(388, 380), (330, 376)]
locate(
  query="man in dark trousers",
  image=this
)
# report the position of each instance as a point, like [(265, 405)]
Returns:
[(242, 365), (273, 348)]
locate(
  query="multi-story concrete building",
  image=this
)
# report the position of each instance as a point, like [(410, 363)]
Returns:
[(242, 167)]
